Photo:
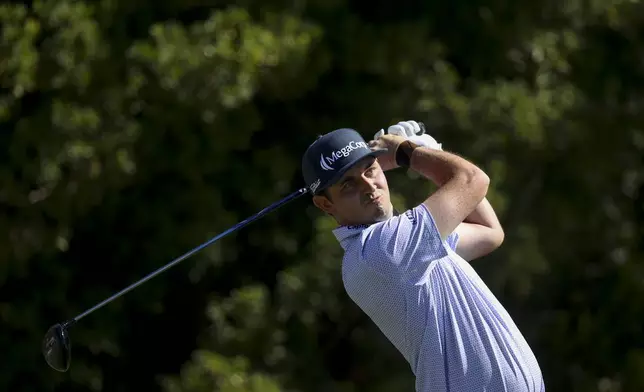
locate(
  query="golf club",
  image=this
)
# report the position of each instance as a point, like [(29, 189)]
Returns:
[(56, 345)]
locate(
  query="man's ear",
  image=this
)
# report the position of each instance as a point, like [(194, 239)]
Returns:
[(323, 203)]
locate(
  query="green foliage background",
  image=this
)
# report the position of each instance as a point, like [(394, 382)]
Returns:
[(131, 131)]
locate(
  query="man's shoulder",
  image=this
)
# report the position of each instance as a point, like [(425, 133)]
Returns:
[(402, 223), (409, 235), (388, 236)]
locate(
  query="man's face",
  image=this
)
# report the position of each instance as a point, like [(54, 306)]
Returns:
[(361, 196)]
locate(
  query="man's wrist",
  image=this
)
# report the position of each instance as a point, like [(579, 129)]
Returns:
[(403, 153)]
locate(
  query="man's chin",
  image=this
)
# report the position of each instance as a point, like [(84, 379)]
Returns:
[(382, 213)]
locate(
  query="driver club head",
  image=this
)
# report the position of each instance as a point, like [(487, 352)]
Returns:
[(56, 347)]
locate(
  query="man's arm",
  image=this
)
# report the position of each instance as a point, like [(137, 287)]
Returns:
[(462, 187), (480, 232)]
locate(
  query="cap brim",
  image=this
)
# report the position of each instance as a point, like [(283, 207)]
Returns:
[(337, 176)]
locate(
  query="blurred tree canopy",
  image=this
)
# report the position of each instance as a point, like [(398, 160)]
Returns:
[(132, 131)]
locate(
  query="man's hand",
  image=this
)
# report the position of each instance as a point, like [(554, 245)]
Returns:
[(396, 134), (406, 129), (412, 131), (390, 143)]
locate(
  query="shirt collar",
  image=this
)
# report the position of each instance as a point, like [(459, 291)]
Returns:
[(346, 234)]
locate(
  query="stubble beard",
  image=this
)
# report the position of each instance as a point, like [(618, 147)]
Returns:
[(383, 212)]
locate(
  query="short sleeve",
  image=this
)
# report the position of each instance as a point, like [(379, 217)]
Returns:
[(452, 240), (395, 245)]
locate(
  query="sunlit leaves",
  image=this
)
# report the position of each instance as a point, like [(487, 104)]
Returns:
[(213, 372), (221, 59)]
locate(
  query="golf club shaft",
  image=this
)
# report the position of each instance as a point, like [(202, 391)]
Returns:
[(176, 261)]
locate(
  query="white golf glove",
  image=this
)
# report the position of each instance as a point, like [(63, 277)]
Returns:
[(412, 131)]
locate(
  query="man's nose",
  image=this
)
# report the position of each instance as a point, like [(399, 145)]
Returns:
[(368, 184)]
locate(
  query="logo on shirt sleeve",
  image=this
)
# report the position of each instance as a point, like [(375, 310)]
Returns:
[(410, 215)]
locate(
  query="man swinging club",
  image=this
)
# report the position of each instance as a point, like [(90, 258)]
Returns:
[(409, 272)]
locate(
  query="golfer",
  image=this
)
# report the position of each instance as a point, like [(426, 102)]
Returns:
[(409, 272)]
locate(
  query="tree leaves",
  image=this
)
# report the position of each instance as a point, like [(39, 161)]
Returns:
[(133, 131)]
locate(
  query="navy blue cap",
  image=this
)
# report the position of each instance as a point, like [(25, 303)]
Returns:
[(332, 155)]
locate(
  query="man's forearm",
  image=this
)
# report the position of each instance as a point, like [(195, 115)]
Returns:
[(483, 214), (440, 166)]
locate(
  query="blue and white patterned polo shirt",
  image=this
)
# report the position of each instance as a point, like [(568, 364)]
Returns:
[(432, 305)]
